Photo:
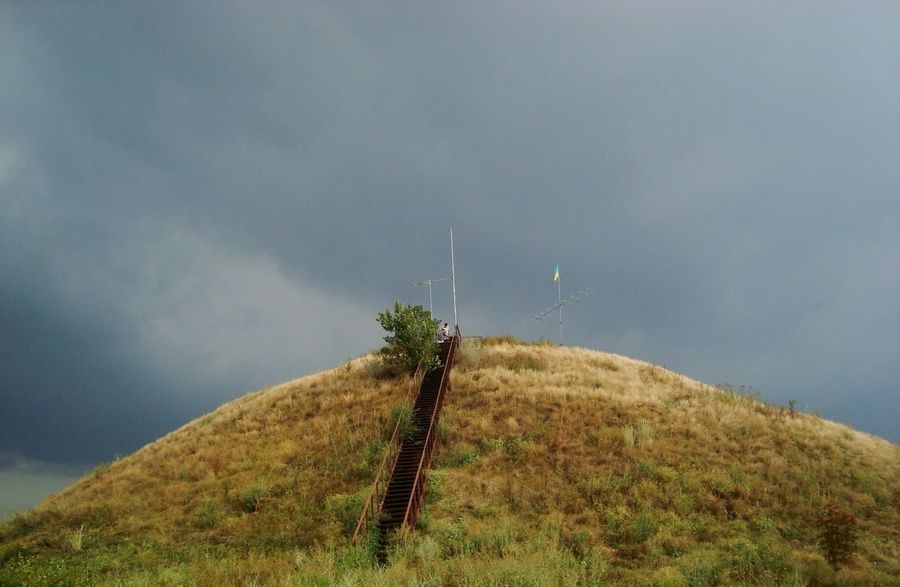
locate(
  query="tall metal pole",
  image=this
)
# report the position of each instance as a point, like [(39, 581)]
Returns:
[(428, 283), (453, 278), (559, 294)]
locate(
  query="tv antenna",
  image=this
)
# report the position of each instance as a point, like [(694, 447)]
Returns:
[(567, 301), (427, 283)]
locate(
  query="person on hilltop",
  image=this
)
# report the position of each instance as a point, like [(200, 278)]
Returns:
[(444, 333)]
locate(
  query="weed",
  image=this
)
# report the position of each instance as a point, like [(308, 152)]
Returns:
[(645, 433), (441, 428), (460, 456), (408, 427), (428, 550), (217, 463), (19, 524), (520, 362), (377, 369), (514, 446), (642, 436), (345, 509), (498, 340), (100, 469), (838, 533), (642, 527), (372, 455), (434, 484), (252, 498), (468, 357), (209, 515), (609, 365), (578, 544), (759, 562), (75, 540), (701, 568), (647, 469)]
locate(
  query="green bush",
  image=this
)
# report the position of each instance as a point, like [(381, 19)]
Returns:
[(762, 562), (434, 485), (460, 456), (700, 568), (642, 527), (345, 508), (411, 339), (408, 427), (251, 499)]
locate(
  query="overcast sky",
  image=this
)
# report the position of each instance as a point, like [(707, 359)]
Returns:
[(198, 199)]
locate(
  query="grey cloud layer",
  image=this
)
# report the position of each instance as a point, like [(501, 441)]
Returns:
[(200, 200)]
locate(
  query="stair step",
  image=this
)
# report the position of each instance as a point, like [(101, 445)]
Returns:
[(402, 485), (397, 503)]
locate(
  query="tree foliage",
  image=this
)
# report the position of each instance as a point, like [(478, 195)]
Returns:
[(411, 338)]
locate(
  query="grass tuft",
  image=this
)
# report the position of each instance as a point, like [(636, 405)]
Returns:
[(75, 540)]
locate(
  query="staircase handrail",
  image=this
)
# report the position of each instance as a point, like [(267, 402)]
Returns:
[(418, 492), (369, 511)]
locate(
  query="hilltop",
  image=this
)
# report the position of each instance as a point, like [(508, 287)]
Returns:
[(555, 466)]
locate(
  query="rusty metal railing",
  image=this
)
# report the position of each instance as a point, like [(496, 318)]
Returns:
[(371, 509), (420, 483)]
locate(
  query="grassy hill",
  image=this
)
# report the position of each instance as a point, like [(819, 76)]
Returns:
[(556, 466)]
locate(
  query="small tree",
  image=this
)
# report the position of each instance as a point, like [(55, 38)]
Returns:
[(838, 533), (411, 338)]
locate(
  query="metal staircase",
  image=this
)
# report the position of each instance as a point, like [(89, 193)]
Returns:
[(398, 507)]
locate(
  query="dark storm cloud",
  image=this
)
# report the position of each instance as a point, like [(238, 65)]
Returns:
[(201, 199)]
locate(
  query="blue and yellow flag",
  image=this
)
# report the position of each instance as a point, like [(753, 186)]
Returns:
[(556, 273)]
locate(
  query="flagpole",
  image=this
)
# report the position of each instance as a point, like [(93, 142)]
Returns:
[(559, 294)]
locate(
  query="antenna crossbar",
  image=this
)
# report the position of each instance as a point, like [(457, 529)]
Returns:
[(570, 299), (427, 283)]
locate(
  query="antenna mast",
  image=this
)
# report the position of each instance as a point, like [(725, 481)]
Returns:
[(427, 283), (567, 301), (453, 279)]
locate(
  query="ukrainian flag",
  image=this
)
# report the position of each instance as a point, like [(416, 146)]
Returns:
[(556, 273)]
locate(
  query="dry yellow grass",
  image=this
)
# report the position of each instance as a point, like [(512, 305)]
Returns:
[(256, 470), (596, 437), (555, 466)]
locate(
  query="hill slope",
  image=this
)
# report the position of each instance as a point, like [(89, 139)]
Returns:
[(556, 466)]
